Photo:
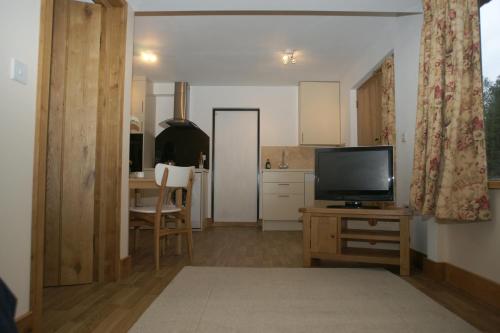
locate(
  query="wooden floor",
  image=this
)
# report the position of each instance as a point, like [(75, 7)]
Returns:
[(114, 307)]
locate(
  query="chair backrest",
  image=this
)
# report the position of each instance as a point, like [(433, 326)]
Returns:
[(177, 176)]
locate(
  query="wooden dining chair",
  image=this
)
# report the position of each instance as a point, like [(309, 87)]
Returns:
[(168, 178)]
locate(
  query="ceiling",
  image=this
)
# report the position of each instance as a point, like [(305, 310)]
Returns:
[(247, 50), (207, 49), (394, 6)]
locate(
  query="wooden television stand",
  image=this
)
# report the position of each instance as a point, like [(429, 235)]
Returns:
[(326, 234)]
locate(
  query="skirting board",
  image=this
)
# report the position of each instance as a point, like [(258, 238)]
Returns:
[(235, 224), (24, 323), (125, 267), (477, 286), (281, 226)]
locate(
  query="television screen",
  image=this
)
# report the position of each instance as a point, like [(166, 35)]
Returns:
[(354, 174)]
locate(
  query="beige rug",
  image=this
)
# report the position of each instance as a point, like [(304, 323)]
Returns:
[(219, 299)]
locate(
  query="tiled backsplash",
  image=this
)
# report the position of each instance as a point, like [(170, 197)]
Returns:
[(297, 157)]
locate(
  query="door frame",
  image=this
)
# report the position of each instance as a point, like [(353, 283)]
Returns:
[(31, 321), (214, 110)]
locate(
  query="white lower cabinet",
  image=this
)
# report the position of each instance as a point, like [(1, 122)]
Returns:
[(283, 195), (283, 207)]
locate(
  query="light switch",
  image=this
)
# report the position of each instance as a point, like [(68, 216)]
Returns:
[(18, 71), (403, 137)]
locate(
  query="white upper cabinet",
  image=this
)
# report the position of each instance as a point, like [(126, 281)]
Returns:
[(319, 113)]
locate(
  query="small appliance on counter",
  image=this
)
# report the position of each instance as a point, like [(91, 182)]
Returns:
[(268, 164)]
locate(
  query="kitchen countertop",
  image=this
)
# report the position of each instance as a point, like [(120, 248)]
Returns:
[(288, 170)]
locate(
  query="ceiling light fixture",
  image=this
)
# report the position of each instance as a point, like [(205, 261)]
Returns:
[(149, 57), (289, 57)]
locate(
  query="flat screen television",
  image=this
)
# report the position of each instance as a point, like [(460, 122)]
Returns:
[(354, 174)]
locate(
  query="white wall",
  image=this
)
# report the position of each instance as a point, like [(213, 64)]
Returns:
[(473, 247), (164, 111), (361, 70), (406, 60), (17, 129), (278, 111), (127, 99), (402, 36)]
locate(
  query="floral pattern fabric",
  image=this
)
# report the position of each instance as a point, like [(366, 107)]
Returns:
[(388, 104), (449, 169)]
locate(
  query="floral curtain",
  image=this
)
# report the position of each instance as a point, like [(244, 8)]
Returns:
[(388, 105), (449, 169)]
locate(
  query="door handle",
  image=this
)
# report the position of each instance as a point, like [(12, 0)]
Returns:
[(283, 196)]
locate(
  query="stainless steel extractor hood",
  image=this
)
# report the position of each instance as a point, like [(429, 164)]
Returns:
[(181, 107)]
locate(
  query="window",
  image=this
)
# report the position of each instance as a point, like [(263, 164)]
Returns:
[(490, 51)]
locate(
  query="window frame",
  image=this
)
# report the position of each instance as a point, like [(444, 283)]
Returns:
[(492, 183)]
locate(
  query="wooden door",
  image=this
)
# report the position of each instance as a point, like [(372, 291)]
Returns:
[(71, 160), (369, 101), (324, 234)]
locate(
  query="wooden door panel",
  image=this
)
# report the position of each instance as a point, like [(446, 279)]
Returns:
[(79, 150), (369, 102), (69, 236), (324, 234)]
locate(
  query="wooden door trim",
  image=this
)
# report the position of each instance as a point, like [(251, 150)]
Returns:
[(40, 156)]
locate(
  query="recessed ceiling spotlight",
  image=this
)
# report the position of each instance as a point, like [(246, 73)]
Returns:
[(289, 57), (149, 57)]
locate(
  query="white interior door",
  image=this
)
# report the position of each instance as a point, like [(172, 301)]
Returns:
[(235, 165)]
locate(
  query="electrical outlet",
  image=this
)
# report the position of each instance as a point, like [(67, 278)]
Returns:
[(18, 71)]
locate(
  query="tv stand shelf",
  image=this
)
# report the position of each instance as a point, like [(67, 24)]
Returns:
[(370, 235), (326, 235)]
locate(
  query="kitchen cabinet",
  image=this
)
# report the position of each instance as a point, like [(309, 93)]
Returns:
[(283, 194), (324, 234), (319, 113), (143, 110)]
